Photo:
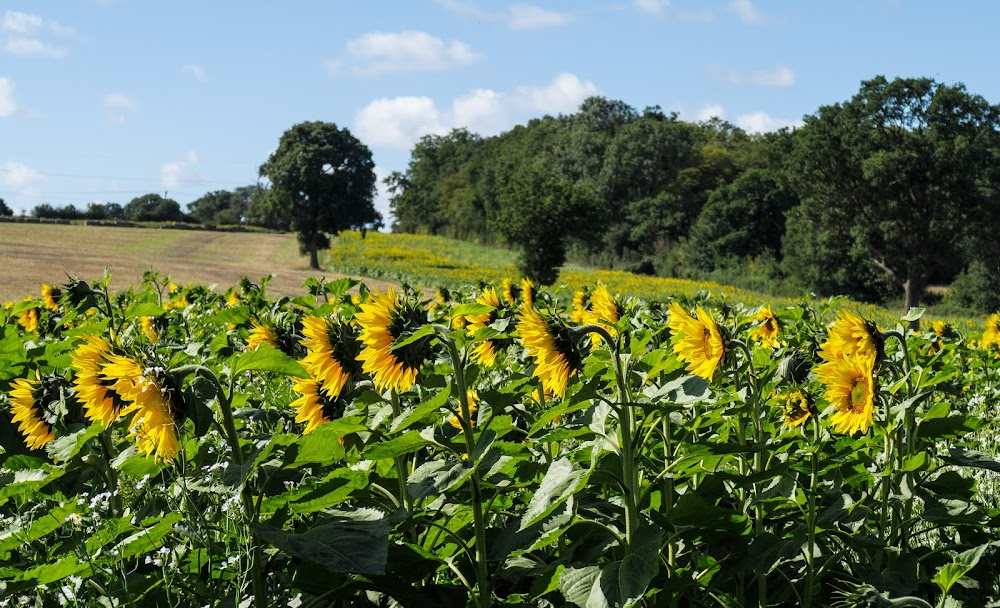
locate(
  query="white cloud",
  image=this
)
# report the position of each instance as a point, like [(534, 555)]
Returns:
[(381, 52), (760, 122), (32, 47), (20, 23), (662, 8), (7, 104), (708, 112), (196, 71), (401, 121), (118, 106), (781, 76), (518, 16), (745, 11), (17, 176), (381, 199), (177, 173), (528, 17)]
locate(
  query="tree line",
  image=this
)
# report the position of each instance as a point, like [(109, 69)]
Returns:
[(876, 197)]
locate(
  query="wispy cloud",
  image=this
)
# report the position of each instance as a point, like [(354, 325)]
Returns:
[(179, 173), (519, 16), (7, 104), (781, 76), (17, 176), (664, 9), (196, 71), (118, 106), (745, 11), (23, 30), (762, 122), (399, 122), (409, 51)]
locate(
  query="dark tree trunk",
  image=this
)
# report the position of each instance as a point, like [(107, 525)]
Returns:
[(313, 256), (914, 287)]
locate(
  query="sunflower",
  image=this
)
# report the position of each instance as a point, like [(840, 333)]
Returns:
[(581, 306), (550, 342), (939, 328), (261, 334), (528, 292), (851, 335), (314, 407), (332, 350), (511, 292), (485, 353), (850, 387), (386, 319), (473, 398), (49, 295), (28, 319), (233, 298), (156, 411), (798, 407), (697, 341), (27, 413), (148, 325), (102, 379), (604, 308), (767, 332), (992, 333)]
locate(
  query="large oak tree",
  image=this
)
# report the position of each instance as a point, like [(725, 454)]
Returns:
[(899, 177), (323, 178)]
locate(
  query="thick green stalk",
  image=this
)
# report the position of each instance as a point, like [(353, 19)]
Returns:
[(402, 472), (109, 472), (485, 598), (811, 514)]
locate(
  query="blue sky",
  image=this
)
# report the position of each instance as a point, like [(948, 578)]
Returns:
[(105, 100)]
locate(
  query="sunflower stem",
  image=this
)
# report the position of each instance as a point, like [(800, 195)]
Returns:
[(110, 472), (811, 514), (402, 472), (233, 438), (485, 598)]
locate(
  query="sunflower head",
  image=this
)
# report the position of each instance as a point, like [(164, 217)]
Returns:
[(386, 321), (332, 349), (604, 308), (315, 406), (28, 319), (39, 406), (157, 410), (485, 352), (511, 292), (152, 327), (50, 296), (529, 293), (850, 387), (798, 406), (851, 335), (768, 328), (455, 420), (698, 341), (262, 333), (991, 335), (581, 306), (553, 346), (103, 379), (233, 297)]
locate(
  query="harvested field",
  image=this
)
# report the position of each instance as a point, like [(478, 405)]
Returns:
[(33, 254)]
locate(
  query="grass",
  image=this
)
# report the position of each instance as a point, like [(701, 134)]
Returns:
[(430, 261), (33, 254)]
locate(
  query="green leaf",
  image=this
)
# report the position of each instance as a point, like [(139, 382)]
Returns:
[(143, 309), (356, 542), (148, 539), (269, 359), (471, 309), (406, 443), (972, 458), (437, 476), (197, 396), (640, 565), (13, 537), (913, 314), (576, 583), (949, 574), (561, 481), (62, 449), (410, 416), (422, 332)]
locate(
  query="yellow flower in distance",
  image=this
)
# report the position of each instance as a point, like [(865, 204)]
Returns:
[(698, 342), (156, 411), (798, 407), (939, 328), (102, 379), (990, 336), (147, 324), (331, 353), (28, 319), (385, 319), (485, 353), (850, 387), (473, 398), (49, 295), (27, 413), (767, 331), (550, 343), (261, 334), (313, 407), (233, 298)]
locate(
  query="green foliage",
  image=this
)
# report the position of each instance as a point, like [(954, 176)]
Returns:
[(4, 209), (223, 207), (153, 208), (323, 180)]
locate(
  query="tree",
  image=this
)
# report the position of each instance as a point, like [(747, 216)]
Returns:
[(154, 208), (222, 206), (4, 209), (325, 178), (263, 211), (904, 173)]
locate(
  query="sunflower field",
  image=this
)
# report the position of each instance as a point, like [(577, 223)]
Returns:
[(494, 445)]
